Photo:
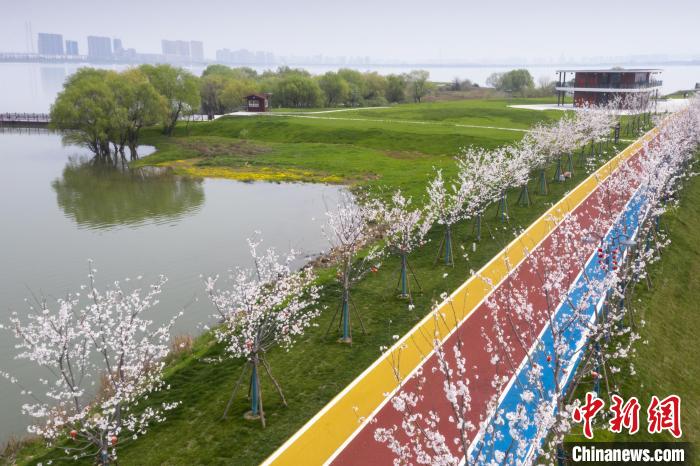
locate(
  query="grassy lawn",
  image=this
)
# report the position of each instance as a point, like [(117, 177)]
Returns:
[(250, 160), (482, 112), (369, 153), (374, 133), (667, 363), (394, 147)]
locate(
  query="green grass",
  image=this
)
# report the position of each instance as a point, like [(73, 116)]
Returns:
[(340, 163), (395, 147), (434, 139), (667, 363), (317, 368), (483, 112), (682, 94), (408, 127)]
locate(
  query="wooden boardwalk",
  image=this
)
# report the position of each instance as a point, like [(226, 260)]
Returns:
[(24, 119)]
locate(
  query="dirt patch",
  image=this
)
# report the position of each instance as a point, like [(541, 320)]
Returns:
[(218, 148), (402, 155)]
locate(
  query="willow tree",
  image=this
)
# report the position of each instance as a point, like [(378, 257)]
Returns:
[(85, 109), (179, 87), (137, 103), (99, 108)]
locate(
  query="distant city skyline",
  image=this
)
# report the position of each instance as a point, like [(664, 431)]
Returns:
[(389, 31), (105, 48)]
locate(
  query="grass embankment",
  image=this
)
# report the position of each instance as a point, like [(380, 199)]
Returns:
[(666, 361), (317, 368), (395, 147)]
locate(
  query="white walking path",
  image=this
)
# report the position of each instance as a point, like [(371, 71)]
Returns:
[(383, 120), (671, 106)]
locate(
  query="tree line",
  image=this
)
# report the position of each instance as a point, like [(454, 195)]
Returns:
[(223, 89), (105, 110), (520, 83)]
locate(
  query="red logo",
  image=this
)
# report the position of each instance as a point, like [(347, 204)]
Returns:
[(625, 415), (665, 415), (587, 412)]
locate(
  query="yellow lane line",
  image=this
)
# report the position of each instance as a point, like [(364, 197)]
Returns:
[(337, 422)]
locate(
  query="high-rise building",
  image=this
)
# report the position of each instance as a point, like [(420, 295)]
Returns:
[(99, 48), (50, 44), (197, 50), (176, 48), (245, 57), (168, 47), (223, 55), (117, 47), (72, 47)]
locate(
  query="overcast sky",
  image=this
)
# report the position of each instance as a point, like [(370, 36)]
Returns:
[(407, 30)]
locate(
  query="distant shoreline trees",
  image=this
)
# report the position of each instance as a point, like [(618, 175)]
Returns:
[(105, 110), (514, 81), (297, 88)]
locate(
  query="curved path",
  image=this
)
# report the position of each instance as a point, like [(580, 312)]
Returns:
[(342, 432)]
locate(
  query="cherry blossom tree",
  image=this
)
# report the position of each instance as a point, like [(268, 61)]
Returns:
[(267, 306), (404, 229), (529, 158), (445, 205), (479, 183), (544, 140), (420, 438), (103, 357), (562, 332), (512, 165), (350, 229), (593, 125)]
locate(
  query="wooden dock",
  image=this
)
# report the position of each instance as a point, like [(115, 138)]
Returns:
[(34, 120)]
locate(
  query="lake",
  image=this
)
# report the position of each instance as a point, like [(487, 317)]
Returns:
[(32, 87), (58, 211)]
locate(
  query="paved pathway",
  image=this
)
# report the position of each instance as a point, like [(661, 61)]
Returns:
[(383, 120), (343, 432)]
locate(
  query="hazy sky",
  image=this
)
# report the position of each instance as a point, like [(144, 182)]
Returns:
[(404, 30)]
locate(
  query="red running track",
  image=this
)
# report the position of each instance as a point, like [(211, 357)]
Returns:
[(595, 213)]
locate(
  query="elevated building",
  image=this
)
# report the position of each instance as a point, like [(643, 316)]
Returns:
[(117, 47), (72, 47), (245, 57), (197, 51), (99, 48), (50, 44), (599, 87), (176, 48)]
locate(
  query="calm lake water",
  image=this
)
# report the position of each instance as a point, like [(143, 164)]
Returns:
[(57, 212), (32, 87)]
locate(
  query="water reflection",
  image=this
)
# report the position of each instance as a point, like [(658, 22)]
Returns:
[(100, 196), (52, 78)]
